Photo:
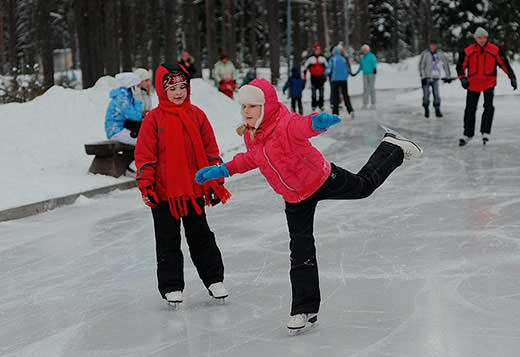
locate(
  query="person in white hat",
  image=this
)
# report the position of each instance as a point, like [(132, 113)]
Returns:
[(124, 113), (477, 71), (143, 89)]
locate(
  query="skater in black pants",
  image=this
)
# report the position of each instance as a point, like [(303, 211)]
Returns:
[(277, 143), (201, 241), (316, 65), (477, 71)]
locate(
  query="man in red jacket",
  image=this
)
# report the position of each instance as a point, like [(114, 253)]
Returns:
[(477, 71), (316, 64)]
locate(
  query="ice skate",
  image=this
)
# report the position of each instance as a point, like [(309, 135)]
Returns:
[(410, 149), (464, 140), (218, 292), (174, 299), (301, 322), (485, 138), (438, 113), (426, 112)]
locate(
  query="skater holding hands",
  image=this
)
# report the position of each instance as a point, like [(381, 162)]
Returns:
[(175, 140), (277, 143)]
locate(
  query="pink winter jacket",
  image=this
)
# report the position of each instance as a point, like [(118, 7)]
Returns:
[(281, 150)]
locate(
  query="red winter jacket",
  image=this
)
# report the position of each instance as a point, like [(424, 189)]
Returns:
[(150, 151), (479, 65), (281, 150)]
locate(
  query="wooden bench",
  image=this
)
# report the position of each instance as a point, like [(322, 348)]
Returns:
[(112, 158)]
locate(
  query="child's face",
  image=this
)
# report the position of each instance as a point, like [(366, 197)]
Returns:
[(178, 93), (251, 113)]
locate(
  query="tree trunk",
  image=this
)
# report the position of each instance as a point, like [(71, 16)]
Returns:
[(11, 28), (156, 44), (211, 57), (192, 33), (274, 39), (82, 23), (346, 28), (297, 36), (142, 28), (111, 45), (320, 20), (127, 13), (170, 29), (45, 45), (230, 30), (252, 33), (3, 57)]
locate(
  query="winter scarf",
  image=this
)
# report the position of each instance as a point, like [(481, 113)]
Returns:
[(179, 178)]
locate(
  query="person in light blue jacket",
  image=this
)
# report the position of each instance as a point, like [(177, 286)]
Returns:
[(339, 72), (368, 64), (124, 113)]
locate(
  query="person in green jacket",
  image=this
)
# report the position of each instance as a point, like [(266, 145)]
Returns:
[(368, 64), (223, 67)]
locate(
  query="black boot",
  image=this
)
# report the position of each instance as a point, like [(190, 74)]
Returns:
[(426, 112), (438, 113)]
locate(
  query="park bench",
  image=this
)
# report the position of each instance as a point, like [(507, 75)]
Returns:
[(112, 158)]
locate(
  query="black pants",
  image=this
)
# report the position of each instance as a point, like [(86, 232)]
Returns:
[(317, 85), (471, 109), (341, 185), (201, 242), (336, 87), (298, 101)]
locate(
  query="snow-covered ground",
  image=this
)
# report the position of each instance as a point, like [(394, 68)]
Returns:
[(427, 266)]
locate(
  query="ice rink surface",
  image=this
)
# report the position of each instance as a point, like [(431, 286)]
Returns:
[(427, 266)]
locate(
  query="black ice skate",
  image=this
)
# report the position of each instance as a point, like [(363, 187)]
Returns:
[(301, 322), (426, 112), (438, 113)]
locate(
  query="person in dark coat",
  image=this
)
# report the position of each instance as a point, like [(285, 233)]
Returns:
[(188, 62), (295, 84)]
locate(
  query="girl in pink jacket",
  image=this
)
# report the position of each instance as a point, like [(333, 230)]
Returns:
[(277, 143)]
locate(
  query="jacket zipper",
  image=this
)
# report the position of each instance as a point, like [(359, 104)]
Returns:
[(279, 176)]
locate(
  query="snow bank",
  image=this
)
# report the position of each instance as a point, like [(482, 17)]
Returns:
[(41, 143)]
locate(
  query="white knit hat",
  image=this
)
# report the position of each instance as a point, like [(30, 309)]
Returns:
[(365, 46), (143, 74), (480, 32), (127, 79), (252, 95)]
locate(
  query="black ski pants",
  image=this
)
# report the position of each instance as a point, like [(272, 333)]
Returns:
[(201, 242), (336, 87), (298, 101), (341, 185), (317, 86), (471, 110)]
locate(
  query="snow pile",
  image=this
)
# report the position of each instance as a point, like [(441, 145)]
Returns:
[(42, 143)]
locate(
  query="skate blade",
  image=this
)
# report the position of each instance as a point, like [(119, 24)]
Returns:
[(298, 331), (174, 304), (220, 300), (398, 136)]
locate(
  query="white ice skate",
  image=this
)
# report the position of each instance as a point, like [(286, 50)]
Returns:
[(485, 138), (218, 292), (174, 298), (301, 322), (410, 149)]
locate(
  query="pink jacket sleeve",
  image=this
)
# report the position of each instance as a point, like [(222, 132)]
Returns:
[(242, 162), (300, 127)]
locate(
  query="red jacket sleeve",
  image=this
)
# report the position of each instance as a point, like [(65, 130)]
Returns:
[(242, 162), (301, 127), (145, 153)]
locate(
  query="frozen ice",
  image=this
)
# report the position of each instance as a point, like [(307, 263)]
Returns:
[(427, 266)]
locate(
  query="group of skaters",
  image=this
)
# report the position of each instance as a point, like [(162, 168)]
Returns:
[(180, 172), (477, 71)]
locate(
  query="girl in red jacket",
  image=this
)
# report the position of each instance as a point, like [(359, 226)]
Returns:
[(175, 140), (277, 143)]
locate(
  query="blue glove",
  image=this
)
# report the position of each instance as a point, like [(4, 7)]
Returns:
[(210, 173), (322, 121)]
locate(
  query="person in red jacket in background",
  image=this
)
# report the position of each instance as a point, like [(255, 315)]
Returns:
[(316, 65), (175, 140), (477, 71)]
